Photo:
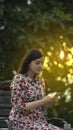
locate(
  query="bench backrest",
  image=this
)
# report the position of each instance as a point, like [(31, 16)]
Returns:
[(5, 97)]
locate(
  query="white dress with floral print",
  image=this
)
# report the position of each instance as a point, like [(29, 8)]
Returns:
[(24, 90)]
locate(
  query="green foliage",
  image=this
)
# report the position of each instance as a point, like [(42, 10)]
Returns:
[(39, 24)]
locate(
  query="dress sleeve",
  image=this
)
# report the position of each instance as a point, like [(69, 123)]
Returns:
[(18, 92)]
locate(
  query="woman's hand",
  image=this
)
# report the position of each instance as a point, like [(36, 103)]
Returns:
[(49, 100)]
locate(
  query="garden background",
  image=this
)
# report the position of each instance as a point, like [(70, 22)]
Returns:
[(48, 26)]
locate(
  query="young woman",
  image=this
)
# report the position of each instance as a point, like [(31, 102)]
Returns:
[(27, 96)]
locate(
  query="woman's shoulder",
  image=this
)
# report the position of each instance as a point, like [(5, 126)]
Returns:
[(18, 79), (18, 76)]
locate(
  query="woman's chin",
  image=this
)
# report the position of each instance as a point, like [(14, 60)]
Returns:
[(37, 72)]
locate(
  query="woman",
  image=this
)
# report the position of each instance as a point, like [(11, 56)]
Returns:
[(27, 96)]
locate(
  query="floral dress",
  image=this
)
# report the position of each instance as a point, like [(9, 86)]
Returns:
[(24, 90)]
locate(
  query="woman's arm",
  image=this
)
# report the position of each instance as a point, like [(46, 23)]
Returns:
[(52, 101), (45, 102), (34, 104)]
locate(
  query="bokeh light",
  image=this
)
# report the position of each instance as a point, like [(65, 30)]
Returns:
[(62, 54)]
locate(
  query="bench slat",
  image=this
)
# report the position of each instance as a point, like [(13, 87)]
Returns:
[(4, 112)]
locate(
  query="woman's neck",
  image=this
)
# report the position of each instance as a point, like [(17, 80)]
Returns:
[(31, 74)]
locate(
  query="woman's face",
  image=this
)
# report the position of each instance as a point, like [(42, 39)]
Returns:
[(36, 65)]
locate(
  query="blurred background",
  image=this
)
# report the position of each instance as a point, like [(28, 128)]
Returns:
[(48, 26)]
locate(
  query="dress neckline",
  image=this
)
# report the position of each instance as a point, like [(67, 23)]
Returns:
[(30, 78)]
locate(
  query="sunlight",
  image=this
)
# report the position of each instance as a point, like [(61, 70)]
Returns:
[(46, 60), (70, 50), (55, 63), (71, 71), (45, 65), (29, 2), (64, 45), (49, 53), (61, 36), (66, 55), (69, 56), (67, 93), (62, 55), (58, 78), (52, 48), (61, 66), (69, 62), (70, 78)]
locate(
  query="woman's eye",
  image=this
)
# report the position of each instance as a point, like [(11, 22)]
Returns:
[(37, 63)]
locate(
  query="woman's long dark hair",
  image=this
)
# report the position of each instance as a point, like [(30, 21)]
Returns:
[(26, 60)]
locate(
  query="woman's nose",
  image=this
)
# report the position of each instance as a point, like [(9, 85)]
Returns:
[(40, 65)]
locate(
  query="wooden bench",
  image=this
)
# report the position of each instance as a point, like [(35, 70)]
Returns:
[(5, 107)]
